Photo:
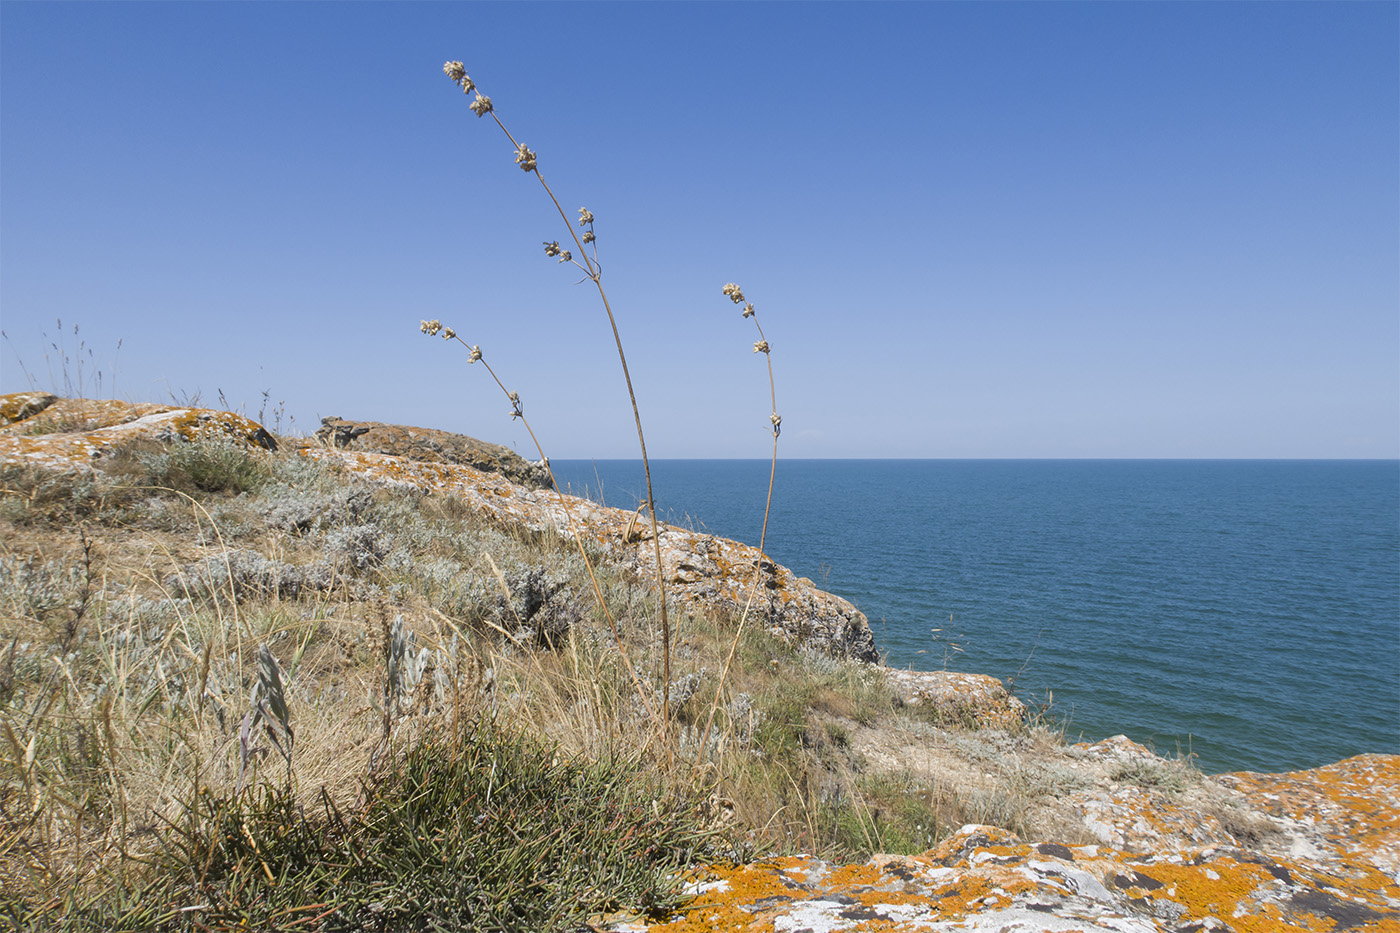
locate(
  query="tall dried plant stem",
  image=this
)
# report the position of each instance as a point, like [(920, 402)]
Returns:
[(760, 346), (594, 272), (577, 536)]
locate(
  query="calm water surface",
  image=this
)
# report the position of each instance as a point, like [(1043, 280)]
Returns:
[(1245, 611)]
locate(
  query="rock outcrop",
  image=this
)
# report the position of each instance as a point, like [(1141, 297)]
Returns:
[(700, 570), (1305, 851), (974, 700), (75, 433), (432, 446)]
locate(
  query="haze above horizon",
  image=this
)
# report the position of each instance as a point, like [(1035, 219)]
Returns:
[(972, 231)]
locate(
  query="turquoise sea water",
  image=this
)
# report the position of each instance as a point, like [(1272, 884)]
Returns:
[(1244, 611)]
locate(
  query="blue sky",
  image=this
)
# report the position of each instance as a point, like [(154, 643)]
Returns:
[(971, 229)]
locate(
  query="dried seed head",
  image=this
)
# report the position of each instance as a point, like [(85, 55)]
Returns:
[(454, 70), (735, 294), (585, 216), (748, 309), (761, 346), (565, 256), (430, 327), (448, 333), (482, 105), (475, 354), (524, 157), (551, 249), (777, 420), (588, 236), (270, 679)]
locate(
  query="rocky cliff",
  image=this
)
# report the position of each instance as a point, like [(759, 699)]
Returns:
[(1117, 838)]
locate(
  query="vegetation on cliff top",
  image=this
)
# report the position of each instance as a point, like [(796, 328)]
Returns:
[(418, 649)]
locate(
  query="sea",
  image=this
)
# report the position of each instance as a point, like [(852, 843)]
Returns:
[(1244, 612)]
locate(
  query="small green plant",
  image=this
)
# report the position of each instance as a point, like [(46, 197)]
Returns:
[(478, 828), (212, 465)]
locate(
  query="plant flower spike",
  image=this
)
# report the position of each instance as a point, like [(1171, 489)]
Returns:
[(736, 294), (528, 161)]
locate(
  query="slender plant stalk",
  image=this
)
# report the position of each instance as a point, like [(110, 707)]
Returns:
[(736, 295), (517, 411), (525, 158)]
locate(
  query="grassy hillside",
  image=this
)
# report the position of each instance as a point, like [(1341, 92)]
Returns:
[(240, 687)]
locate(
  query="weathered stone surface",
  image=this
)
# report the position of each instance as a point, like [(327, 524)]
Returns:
[(75, 432), (21, 405), (434, 446), (976, 700), (1328, 862)]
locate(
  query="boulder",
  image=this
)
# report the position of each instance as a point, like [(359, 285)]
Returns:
[(19, 406), (72, 433), (432, 446), (977, 701)]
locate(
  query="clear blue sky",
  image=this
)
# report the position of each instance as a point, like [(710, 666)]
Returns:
[(971, 229)]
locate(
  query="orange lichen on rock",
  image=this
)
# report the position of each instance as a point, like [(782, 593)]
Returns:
[(1349, 810), (71, 433), (19, 406)]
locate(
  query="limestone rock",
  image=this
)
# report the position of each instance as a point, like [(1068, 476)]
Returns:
[(1330, 865), (72, 433), (21, 405), (975, 700), (433, 446)]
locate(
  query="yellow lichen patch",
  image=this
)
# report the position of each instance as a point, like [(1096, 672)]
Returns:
[(1353, 806), (852, 876), (962, 896), (956, 845), (1223, 888), (196, 424), (734, 893)]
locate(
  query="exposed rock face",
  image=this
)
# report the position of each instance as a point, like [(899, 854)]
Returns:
[(975, 700), (433, 446), (21, 405), (1320, 854), (75, 432)]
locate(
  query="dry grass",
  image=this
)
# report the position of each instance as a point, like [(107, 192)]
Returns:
[(129, 654), (132, 614)]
